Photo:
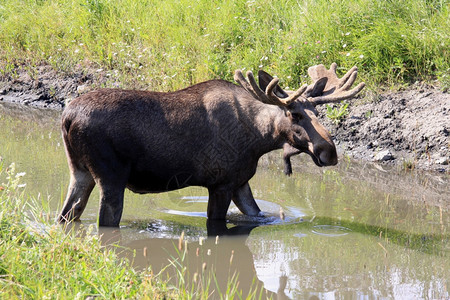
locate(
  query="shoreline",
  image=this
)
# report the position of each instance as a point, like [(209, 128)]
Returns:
[(409, 128)]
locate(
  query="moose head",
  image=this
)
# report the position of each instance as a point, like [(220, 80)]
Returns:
[(307, 134)]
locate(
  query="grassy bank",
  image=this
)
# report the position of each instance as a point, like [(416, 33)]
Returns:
[(41, 260), (166, 45)]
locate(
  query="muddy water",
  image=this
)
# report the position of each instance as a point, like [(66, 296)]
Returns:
[(351, 231)]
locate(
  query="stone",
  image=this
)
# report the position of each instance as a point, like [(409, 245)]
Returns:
[(384, 155), (442, 161), (82, 89)]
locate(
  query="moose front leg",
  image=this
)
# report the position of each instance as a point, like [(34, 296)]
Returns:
[(288, 151), (243, 198)]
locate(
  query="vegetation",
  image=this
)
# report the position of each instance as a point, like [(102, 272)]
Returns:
[(166, 45), (43, 260), (337, 114), (432, 243)]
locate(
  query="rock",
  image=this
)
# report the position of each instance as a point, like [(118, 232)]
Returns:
[(442, 161), (81, 89), (445, 131), (384, 155)]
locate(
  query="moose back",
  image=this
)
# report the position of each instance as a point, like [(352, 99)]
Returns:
[(211, 134)]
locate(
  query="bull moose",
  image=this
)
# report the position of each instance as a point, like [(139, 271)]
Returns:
[(211, 134)]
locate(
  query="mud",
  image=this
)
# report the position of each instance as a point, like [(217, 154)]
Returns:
[(409, 128), (44, 87)]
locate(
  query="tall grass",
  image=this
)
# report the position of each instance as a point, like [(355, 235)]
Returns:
[(43, 260), (39, 262), (166, 45)]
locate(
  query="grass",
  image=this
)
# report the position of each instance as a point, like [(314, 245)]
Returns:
[(43, 260), (167, 45), (337, 112)]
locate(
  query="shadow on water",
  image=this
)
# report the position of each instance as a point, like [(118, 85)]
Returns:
[(296, 251), (357, 230), (220, 250)]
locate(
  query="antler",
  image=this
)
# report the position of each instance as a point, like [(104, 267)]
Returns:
[(336, 89), (268, 96)]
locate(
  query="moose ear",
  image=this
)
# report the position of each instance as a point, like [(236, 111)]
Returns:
[(264, 80), (318, 87)]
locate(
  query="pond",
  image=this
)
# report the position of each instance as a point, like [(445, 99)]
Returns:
[(357, 230)]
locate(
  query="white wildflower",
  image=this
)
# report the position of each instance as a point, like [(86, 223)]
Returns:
[(21, 174)]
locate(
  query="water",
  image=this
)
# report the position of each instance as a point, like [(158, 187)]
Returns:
[(352, 231)]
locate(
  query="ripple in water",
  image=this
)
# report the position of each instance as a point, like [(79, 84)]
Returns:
[(270, 212), (330, 230)]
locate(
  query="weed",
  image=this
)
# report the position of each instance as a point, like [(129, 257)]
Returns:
[(408, 165), (172, 44), (52, 92), (337, 114), (368, 114), (444, 79)]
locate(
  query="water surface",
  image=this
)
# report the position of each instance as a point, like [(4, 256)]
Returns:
[(351, 231)]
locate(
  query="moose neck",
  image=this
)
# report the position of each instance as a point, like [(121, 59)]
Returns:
[(273, 125)]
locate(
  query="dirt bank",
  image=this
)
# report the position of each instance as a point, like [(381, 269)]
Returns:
[(409, 128), (46, 88)]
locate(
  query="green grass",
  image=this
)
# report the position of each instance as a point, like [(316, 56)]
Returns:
[(43, 260), (39, 260), (337, 113), (167, 45)]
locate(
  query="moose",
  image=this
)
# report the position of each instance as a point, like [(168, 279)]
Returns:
[(211, 134)]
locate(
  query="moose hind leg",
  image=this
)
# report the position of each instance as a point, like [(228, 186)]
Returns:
[(218, 203), (111, 180), (80, 187), (243, 198), (111, 202)]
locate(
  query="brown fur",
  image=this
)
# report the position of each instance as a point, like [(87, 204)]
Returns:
[(211, 134)]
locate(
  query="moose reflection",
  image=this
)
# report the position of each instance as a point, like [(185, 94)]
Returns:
[(221, 251)]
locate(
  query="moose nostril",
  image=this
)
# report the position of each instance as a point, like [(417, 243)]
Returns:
[(327, 157)]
